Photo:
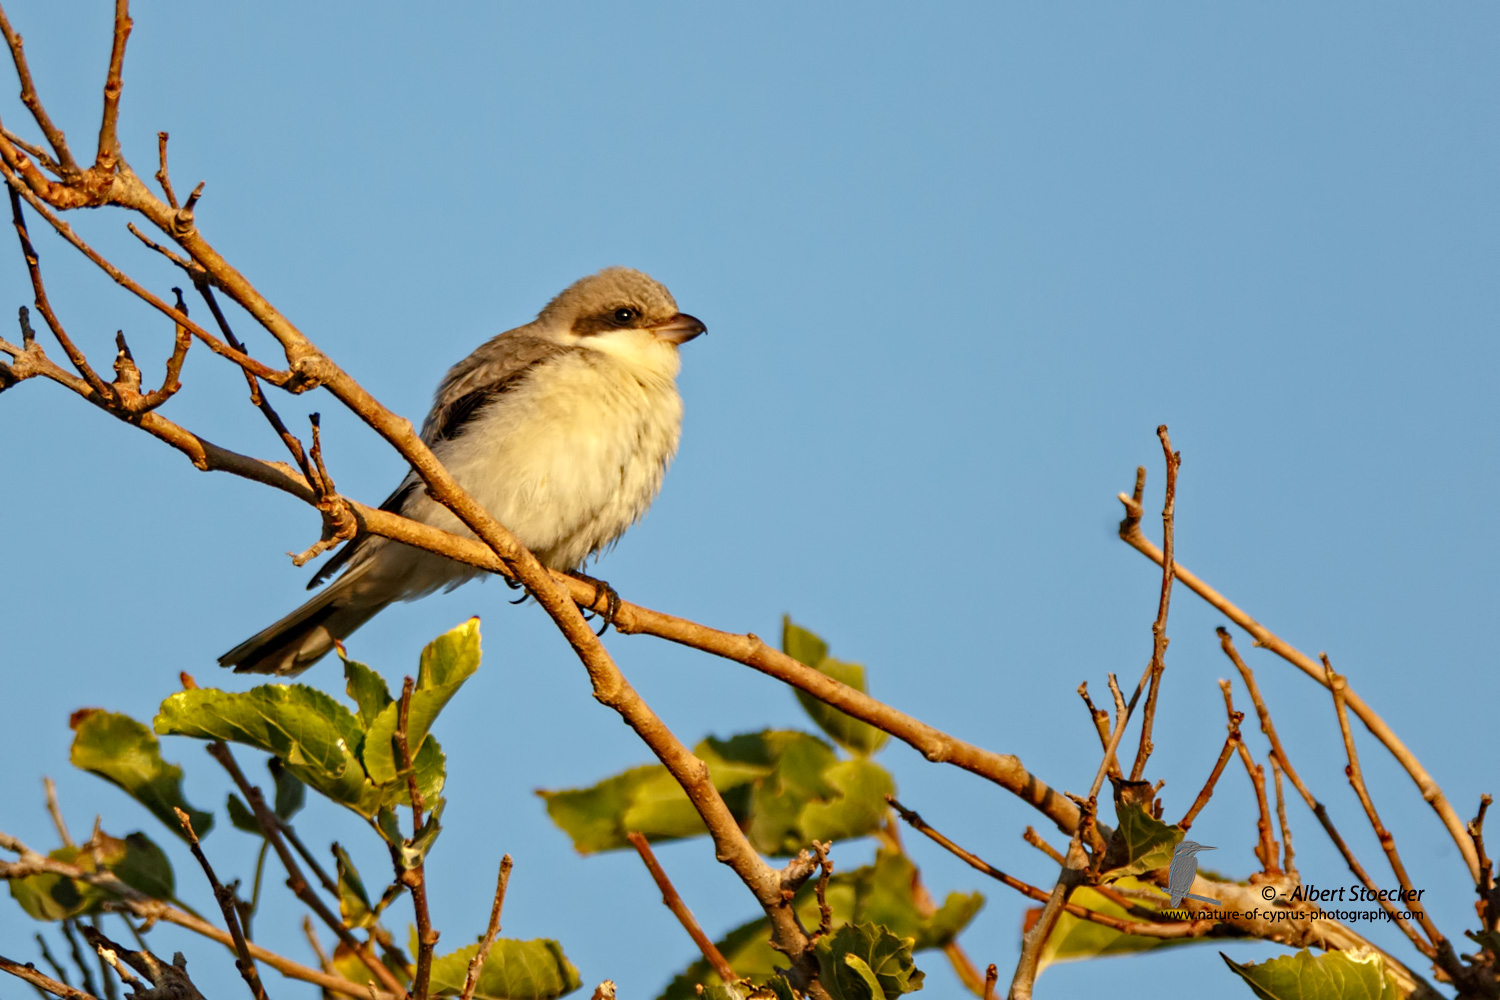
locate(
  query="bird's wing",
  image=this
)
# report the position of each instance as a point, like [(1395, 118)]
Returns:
[(342, 557), (495, 367)]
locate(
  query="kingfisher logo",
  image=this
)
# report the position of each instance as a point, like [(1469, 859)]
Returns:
[(1184, 869)]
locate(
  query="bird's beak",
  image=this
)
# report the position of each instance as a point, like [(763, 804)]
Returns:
[(679, 329)]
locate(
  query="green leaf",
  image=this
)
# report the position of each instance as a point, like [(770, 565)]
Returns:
[(877, 894), (858, 804), (144, 866), (123, 751), (800, 644), (884, 897), (1076, 938), (855, 981), (367, 688), (784, 788), (845, 730), (414, 851), (135, 860), (513, 970), (1141, 843), (718, 991), (311, 733), (241, 816), (880, 958), (1334, 975), (780, 988), (291, 794), (354, 902), (52, 897), (447, 662)]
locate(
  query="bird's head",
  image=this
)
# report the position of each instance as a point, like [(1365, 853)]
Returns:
[(1193, 847), (623, 313)]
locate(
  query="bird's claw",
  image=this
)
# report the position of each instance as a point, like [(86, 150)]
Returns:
[(611, 600)]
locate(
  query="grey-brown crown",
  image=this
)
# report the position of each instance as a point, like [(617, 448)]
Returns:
[(602, 295)]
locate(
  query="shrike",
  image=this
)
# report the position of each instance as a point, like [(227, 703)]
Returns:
[(562, 429)]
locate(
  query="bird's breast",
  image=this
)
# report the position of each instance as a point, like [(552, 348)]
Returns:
[(573, 456)]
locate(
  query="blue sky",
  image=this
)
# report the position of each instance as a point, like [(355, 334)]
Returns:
[(957, 264)]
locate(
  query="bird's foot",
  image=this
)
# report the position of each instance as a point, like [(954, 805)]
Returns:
[(604, 590), (516, 585)]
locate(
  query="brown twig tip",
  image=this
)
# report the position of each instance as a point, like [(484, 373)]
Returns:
[(471, 976), (54, 809), (187, 825), (162, 177), (825, 873), (1159, 640), (991, 978), (228, 905), (673, 901)]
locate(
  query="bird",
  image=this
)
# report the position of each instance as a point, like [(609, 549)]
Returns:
[(1183, 870), (562, 429)]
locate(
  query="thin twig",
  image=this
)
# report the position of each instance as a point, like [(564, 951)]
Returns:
[(67, 926), (1265, 848), (162, 177), (1035, 840), (673, 902), (271, 828), (47, 956), (133, 901), (1159, 638), (29, 973), (415, 878), (820, 890), (1173, 929), (1288, 858), (991, 978), (1230, 742), (1100, 719), (1432, 792), (311, 934), (109, 142), (227, 905), (1489, 896), (471, 977), (1444, 951), (55, 811), (104, 393), (54, 135), (1075, 863)]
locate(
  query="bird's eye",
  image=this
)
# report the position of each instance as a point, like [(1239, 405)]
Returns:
[(624, 316)]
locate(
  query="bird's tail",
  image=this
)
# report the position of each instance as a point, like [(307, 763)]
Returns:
[(306, 635)]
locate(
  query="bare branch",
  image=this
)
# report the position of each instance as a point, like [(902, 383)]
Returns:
[(673, 902), (151, 910), (55, 811), (471, 977), (414, 878), (109, 142), (1265, 848), (227, 906), (1131, 534), (1288, 862), (271, 829), (1159, 638), (162, 177), (54, 135), (29, 973), (1440, 950), (1230, 742)]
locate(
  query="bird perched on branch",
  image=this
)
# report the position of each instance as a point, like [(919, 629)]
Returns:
[(561, 429)]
